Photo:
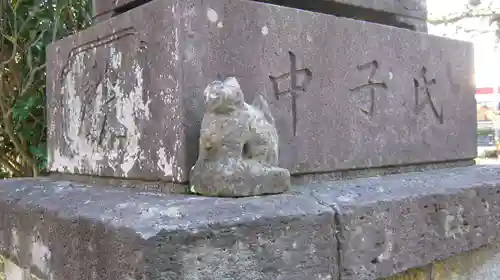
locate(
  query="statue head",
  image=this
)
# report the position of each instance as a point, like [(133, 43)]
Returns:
[(224, 96)]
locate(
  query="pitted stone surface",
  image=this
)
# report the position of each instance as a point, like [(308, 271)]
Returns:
[(117, 103), (409, 14), (238, 146), (382, 226), (411, 8), (391, 223), (340, 101), (69, 231), (104, 9), (408, 8)]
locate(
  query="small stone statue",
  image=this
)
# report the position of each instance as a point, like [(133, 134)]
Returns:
[(238, 153)]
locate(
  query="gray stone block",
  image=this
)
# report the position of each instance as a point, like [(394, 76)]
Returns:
[(117, 104), (391, 223), (62, 230), (409, 14), (372, 96), (409, 8), (104, 9)]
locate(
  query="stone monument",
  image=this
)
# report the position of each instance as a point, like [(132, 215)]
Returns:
[(126, 95), (238, 146), (341, 89)]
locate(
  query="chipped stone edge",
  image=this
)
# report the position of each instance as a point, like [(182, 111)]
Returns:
[(455, 214), (136, 219)]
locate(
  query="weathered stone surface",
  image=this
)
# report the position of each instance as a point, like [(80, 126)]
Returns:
[(320, 85), (391, 223), (416, 9), (118, 107), (104, 9), (411, 8), (413, 274), (238, 146), (409, 14), (479, 264), (340, 100), (382, 226), (62, 230), (11, 271)]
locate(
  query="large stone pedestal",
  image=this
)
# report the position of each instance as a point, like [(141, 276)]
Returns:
[(354, 229), (126, 95), (349, 96)]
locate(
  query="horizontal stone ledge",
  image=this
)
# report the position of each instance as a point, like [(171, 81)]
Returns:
[(388, 224), (64, 230), (355, 229)]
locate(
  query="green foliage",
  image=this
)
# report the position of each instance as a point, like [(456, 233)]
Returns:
[(26, 28)]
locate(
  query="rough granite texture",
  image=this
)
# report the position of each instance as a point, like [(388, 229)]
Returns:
[(63, 230), (408, 14), (479, 264), (238, 146), (105, 9), (358, 229), (410, 8), (389, 12), (126, 95), (389, 224)]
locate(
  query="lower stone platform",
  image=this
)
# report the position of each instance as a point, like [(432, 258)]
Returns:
[(366, 228), (479, 264)]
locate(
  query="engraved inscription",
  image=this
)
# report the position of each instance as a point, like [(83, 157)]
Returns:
[(423, 96), (369, 87), (94, 44), (98, 92), (294, 87), (98, 89), (103, 86), (90, 90)]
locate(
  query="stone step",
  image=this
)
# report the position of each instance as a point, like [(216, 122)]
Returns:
[(361, 229), (126, 95)]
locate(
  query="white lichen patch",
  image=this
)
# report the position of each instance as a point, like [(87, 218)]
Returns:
[(15, 247), (324, 277), (164, 162), (40, 255), (13, 271), (212, 15), (175, 54), (129, 111), (93, 113), (116, 59), (264, 30), (168, 160), (81, 153)]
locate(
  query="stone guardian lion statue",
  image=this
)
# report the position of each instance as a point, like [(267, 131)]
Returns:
[(238, 153)]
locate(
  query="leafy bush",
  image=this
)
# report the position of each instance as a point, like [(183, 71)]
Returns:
[(26, 28)]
